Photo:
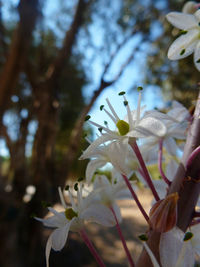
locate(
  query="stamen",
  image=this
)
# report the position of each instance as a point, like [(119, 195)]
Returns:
[(111, 116), (112, 110)]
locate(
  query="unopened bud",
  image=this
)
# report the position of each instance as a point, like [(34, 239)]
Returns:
[(163, 214)]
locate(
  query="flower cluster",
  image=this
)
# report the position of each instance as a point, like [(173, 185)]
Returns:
[(140, 139)]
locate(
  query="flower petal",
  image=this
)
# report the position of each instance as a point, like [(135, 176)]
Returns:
[(175, 252), (48, 250), (59, 236), (150, 126), (92, 166), (100, 214), (184, 45), (182, 21)]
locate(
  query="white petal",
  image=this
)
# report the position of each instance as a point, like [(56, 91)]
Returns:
[(102, 139), (174, 251), (197, 56), (189, 7), (53, 221), (195, 239), (185, 42), (92, 166), (59, 236), (48, 250), (171, 169), (170, 145), (117, 212), (182, 21), (150, 127), (100, 214)]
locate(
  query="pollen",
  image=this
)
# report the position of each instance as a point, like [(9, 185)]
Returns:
[(123, 127), (70, 214)]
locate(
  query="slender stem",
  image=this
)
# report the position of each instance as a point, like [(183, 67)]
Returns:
[(144, 168), (135, 198), (91, 247), (160, 154), (192, 156), (122, 239)]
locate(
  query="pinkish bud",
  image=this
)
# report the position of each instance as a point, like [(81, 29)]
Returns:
[(163, 214)]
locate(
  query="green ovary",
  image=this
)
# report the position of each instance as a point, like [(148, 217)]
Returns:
[(123, 127), (70, 213)]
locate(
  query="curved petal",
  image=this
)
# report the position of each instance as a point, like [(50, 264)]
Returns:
[(48, 250), (59, 236), (170, 145), (100, 140), (150, 126), (92, 166), (53, 221), (197, 56), (100, 214), (184, 45), (182, 21), (174, 251)]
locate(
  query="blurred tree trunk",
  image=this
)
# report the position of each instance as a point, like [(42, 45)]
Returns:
[(18, 52)]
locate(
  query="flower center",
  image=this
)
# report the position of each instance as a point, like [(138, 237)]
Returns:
[(70, 213), (123, 127)]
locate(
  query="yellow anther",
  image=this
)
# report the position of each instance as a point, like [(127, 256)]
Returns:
[(123, 127), (70, 213)]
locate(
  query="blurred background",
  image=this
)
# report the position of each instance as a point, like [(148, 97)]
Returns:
[(59, 60)]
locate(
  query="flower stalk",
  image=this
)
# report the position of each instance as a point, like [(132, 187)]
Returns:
[(160, 155), (123, 239), (147, 177), (136, 198), (91, 247)]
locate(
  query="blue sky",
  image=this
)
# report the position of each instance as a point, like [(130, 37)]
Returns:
[(132, 75)]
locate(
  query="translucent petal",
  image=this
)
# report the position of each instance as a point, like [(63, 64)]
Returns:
[(170, 145), (184, 45), (175, 252), (150, 126), (48, 250), (102, 139), (53, 221), (92, 166), (182, 21), (100, 214), (59, 236), (117, 212)]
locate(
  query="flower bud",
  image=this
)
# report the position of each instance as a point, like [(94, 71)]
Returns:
[(163, 214)]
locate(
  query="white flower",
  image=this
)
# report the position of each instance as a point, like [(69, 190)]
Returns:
[(176, 121), (73, 218), (116, 153), (132, 126), (107, 192), (176, 248), (189, 41), (190, 7)]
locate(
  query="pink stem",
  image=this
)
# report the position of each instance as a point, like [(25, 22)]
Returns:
[(122, 239), (144, 168), (160, 153), (135, 198), (91, 247), (192, 156)]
